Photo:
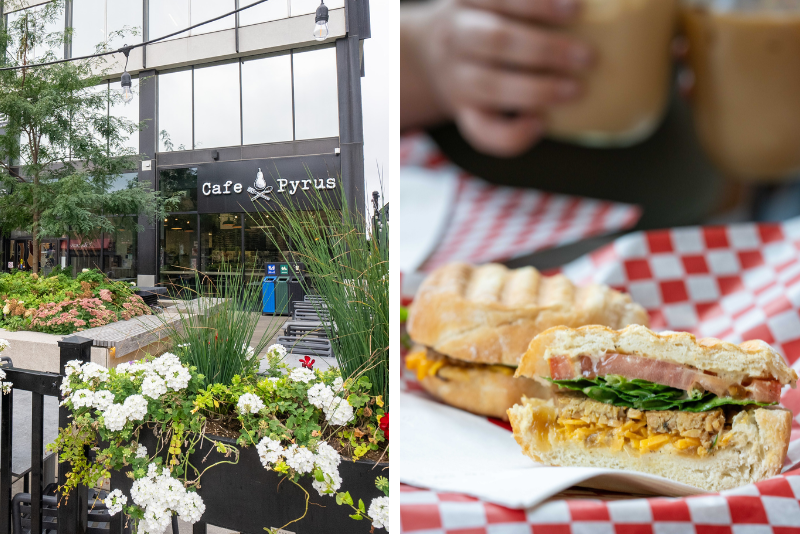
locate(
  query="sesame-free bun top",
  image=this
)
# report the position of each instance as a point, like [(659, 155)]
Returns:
[(489, 313), (753, 359)]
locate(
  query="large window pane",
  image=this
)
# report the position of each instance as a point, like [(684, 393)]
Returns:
[(216, 106), (267, 99), (88, 26), (316, 105), (119, 256), (304, 7), (182, 182), (129, 111), (52, 26), (168, 16), (122, 181), (272, 10), (262, 240), (203, 10), (178, 247), (121, 14), (220, 242), (175, 111)]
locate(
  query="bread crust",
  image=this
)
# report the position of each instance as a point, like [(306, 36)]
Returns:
[(755, 359), (489, 313), (755, 452), (482, 391)]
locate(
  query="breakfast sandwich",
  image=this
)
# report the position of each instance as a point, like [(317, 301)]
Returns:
[(697, 411), (472, 324)]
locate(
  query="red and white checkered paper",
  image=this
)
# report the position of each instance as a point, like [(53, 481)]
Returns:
[(734, 282), (495, 223)]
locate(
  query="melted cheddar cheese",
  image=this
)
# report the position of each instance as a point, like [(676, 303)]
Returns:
[(635, 434), (418, 361)]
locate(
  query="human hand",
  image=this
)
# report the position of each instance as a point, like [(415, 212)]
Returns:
[(494, 66)]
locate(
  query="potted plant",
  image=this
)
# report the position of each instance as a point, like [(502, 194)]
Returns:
[(201, 433)]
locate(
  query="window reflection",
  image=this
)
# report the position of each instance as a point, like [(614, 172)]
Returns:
[(202, 10), (262, 240), (183, 182), (272, 10), (220, 242), (53, 25), (267, 99), (128, 111), (88, 26), (121, 14), (122, 181), (168, 16), (316, 105), (175, 111), (178, 246), (119, 256), (216, 106), (304, 7)]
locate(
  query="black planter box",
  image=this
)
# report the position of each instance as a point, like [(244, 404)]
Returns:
[(246, 498)]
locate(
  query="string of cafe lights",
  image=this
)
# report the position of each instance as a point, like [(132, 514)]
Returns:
[(320, 33)]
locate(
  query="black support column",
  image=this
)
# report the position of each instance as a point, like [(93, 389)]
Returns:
[(147, 255), (351, 123)]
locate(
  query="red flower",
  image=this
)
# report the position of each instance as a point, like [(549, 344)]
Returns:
[(383, 424), (307, 362)]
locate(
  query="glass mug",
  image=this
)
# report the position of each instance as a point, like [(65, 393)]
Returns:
[(745, 55), (627, 90)]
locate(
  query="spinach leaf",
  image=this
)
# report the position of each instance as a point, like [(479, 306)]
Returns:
[(644, 395)]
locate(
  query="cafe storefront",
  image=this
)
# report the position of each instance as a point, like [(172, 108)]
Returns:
[(226, 220)]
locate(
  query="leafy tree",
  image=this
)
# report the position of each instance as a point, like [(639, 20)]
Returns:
[(60, 151)]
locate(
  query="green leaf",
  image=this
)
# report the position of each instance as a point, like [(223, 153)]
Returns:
[(645, 395), (361, 506), (357, 517)]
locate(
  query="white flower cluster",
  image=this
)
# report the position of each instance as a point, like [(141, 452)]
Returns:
[(93, 370), (141, 451), (160, 495), (249, 403), (304, 461), (162, 374), (116, 415), (379, 512), (115, 501), (277, 351), (249, 351), (301, 374), (4, 344), (337, 410)]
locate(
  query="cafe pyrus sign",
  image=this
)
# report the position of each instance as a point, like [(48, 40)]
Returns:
[(254, 185)]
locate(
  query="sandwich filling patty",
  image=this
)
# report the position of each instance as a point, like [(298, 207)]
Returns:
[(655, 384), (572, 417), (427, 362)]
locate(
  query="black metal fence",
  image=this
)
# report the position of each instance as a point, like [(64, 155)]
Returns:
[(72, 512)]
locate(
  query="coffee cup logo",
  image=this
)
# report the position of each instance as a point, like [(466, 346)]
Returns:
[(260, 189)]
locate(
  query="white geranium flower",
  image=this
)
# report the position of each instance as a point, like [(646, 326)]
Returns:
[(115, 501), (320, 395), (379, 512), (249, 403), (338, 382), (141, 451), (92, 370), (153, 386), (276, 350), (299, 458), (114, 417), (135, 407), (177, 377), (103, 399), (81, 398), (269, 451), (301, 374), (339, 412), (72, 367)]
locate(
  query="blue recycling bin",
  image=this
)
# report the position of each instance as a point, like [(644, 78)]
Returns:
[(268, 294)]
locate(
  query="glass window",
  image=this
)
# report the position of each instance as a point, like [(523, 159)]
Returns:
[(85, 254), (122, 181), (267, 99), (304, 7), (121, 14), (178, 247), (182, 181), (216, 106), (316, 105), (220, 242), (175, 111), (54, 25), (129, 111), (88, 26), (272, 10), (168, 16), (119, 255), (262, 241), (208, 9)]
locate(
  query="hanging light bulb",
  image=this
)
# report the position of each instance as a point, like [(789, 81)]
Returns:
[(125, 82), (321, 22)]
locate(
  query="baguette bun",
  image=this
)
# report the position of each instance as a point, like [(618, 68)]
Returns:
[(480, 390), (755, 451), (489, 313), (752, 358)]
